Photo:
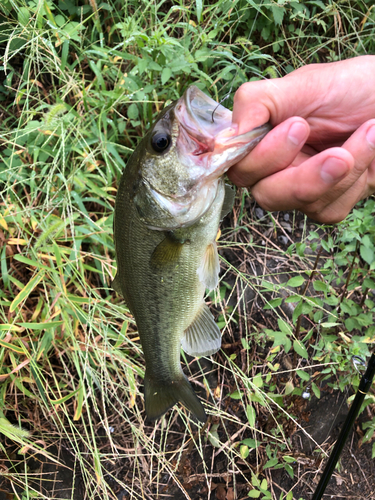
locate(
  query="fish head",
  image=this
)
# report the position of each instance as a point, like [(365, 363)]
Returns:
[(182, 158)]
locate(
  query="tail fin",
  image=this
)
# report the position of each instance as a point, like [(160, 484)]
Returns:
[(160, 397)]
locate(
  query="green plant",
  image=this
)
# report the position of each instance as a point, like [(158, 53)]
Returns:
[(79, 85)]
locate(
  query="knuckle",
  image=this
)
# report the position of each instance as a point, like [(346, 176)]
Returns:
[(263, 201), (327, 215), (303, 195), (242, 92)]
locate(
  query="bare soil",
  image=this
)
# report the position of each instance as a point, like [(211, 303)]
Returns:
[(320, 418)]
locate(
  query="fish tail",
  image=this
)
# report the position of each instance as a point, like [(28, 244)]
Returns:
[(161, 396)]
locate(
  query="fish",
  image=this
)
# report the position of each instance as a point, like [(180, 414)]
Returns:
[(170, 201)]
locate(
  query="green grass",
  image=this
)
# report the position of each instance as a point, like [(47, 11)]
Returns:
[(79, 86)]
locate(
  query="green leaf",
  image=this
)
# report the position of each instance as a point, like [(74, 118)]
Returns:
[(12, 347), (303, 375), (366, 241), (278, 14), (257, 380), (297, 311), (23, 16), (289, 470), (154, 66), (165, 75), (244, 451), (369, 283), (235, 395), (251, 415), (199, 8), (300, 349), (25, 292), (251, 443), (329, 324), (41, 326), (284, 327), (65, 398), (367, 254), (36, 373), (316, 390), (271, 463), (293, 298), (213, 436), (8, 327), (254, 494), (12, 431), (273, 303), (34, 263), (296, 281), (133, 111), (320, 286)]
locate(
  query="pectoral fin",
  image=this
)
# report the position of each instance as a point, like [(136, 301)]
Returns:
[(203, 336), (209, 269), (230, 194), (167, 252)]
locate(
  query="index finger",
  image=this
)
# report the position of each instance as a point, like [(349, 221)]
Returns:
[(252, 106)]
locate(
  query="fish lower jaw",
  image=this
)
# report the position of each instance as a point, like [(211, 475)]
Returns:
[(185, 211)]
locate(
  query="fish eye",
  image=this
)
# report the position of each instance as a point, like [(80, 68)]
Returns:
[(160, 141)]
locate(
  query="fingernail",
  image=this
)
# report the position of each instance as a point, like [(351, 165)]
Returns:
[(333, 169), (297, 133), (370, 136)]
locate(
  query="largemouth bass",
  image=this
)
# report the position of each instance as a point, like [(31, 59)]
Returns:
[(169, 205)]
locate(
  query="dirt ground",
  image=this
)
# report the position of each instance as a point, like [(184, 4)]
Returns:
[(320, 418)]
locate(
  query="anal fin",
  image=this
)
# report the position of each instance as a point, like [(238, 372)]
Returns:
[(203, 336)]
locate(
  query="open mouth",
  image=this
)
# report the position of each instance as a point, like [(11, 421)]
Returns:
[(203, 119), (207, 131)]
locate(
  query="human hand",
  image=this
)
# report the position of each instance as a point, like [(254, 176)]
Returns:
[(320, 156)]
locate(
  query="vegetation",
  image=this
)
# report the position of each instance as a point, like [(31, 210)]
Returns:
[(79, 85)]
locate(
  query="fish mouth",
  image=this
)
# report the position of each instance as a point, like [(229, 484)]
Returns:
[(208, 134)]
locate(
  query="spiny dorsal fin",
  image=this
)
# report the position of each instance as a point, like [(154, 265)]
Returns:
[(209, 269), (230, 194), (167, 252), (203, 336)]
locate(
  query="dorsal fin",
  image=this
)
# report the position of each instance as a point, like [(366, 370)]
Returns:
[(203, 336)]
